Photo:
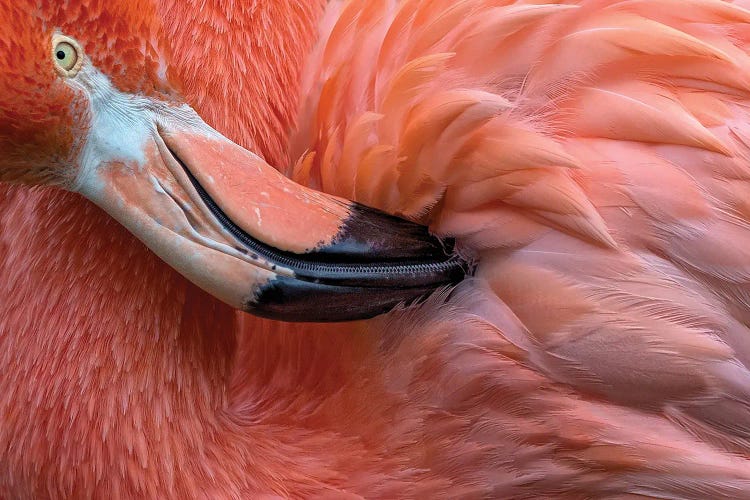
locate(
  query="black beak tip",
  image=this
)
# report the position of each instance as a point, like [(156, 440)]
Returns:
[(293, 300), (350, 296), (369, 235)]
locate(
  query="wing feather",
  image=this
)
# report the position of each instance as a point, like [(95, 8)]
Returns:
[(595, 155)]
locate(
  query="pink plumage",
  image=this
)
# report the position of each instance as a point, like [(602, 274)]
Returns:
[(592, 155)]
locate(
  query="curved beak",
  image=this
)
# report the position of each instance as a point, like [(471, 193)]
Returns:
[(236, 227)]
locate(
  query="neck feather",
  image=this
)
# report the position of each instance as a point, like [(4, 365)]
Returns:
[(107, 354), (239, 65)]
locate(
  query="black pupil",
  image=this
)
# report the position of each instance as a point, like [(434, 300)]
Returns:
[(60, 54)]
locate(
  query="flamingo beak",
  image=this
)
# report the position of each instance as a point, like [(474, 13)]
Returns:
[(236, 227)]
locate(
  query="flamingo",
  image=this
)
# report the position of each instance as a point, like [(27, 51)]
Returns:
[(589, 157)]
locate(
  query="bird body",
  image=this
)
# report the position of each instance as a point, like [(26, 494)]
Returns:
[(591, 155)]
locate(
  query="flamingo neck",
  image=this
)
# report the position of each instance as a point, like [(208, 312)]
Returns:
[(106, 353), (104, 348)]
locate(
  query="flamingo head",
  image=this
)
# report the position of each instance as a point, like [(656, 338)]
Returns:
[(88, 103)]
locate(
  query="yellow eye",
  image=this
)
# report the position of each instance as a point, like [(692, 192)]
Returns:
[(67, 55)]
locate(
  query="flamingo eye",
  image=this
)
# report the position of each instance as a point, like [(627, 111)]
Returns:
[(67, 55)]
